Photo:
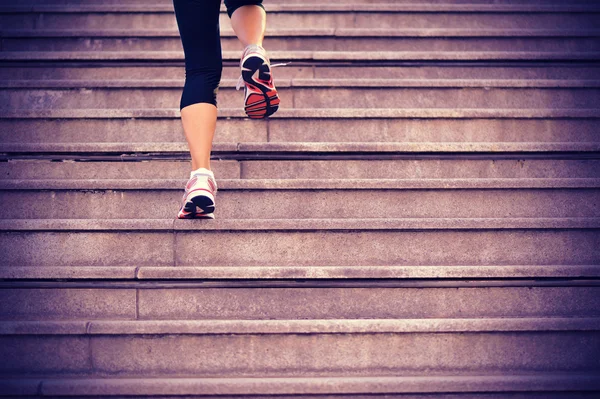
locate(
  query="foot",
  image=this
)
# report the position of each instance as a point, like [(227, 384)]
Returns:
[(199, 197), (260, 96)]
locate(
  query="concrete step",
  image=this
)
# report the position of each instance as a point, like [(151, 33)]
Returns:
[(305, 125), (315, 299), (301, 242), (342, 39), (373, 57), (531, 385), (311, 93), (279, 199), (285, 150), (477, 169), (306, 348), (151, 71), (411, 276), (465, 16)]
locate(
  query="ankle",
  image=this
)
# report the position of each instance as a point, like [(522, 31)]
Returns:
[(202, 171)]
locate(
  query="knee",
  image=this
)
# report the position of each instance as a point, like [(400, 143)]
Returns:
[(201, 86), (233, 5)]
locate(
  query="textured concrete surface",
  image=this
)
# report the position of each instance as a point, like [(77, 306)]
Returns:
[(321, 70), (324, 39), (475, 276), (415, 169), (383, 347), (304, 97), (134, 171), (51, 303), (315, 273), (526, 172), (344, 273), (99, 201), (495, 17), (277, 148), (298, 126), (367, 327), (403, 385), (301, 242), (61, 302), (53, 354), (354, 303), (298, 56), (385, 354)]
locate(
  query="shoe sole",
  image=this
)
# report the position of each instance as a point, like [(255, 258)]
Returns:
[(190, 210), (263, 101)]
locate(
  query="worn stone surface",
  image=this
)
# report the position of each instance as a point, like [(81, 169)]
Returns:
[(282, 20), (44, 354), (363, 272), (354, 303), (418, 169), (299, 97), (86, 249), (304, 129), (272, 202), (300, 42), (57, 304), (479, 284), (351, 354), (336, 386), (384, 248), (137, 171), (547, 71)]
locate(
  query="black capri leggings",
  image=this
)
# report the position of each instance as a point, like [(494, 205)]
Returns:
[(198, 23)]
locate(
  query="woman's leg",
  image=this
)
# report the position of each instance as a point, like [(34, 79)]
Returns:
[(249, 23), (198, 23), (248, 19)]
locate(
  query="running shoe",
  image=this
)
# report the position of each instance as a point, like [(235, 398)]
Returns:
[(260, 95), (199, 197)]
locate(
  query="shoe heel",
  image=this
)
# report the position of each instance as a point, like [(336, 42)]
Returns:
[(206, 204)]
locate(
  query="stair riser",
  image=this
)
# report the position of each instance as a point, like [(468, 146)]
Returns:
[(126, 71), (301, 248), (301, 355), (283, 204), (310, 43), (319, 97), (302, 130), (340, 169), (296, 303), (285, 20)]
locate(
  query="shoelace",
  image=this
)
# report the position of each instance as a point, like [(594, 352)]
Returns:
[(240, 81)]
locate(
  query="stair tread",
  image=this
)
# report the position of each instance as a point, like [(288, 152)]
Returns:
[(381, 224), (305, 56), (304, 147), (329, 113), (326, 32), (313, 82), (323, 326), (266, 273), (431, 383), (302, 184), (315, 8)]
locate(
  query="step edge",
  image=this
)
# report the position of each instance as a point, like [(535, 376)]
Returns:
[(303, 184), (538, 382), (316, 113), (271, 273), (270, 225), (314, 326)]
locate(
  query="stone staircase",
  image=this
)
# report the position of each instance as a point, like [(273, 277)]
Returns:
[(419, 220)]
